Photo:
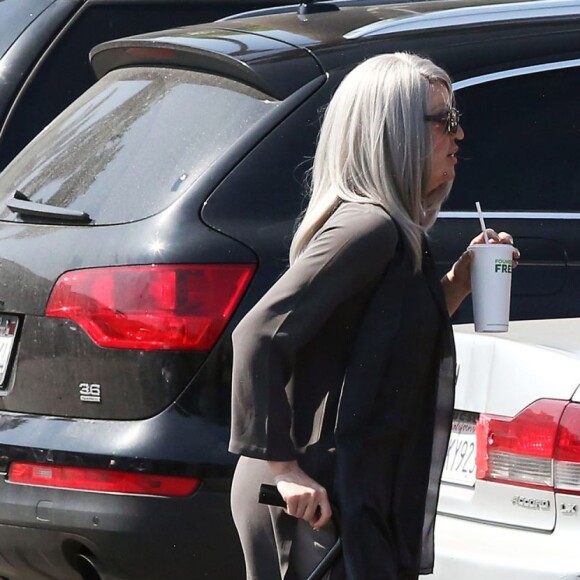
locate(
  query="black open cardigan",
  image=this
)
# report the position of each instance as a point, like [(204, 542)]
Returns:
[(356, 275)]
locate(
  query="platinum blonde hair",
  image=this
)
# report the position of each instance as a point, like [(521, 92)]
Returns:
[(374, 147)]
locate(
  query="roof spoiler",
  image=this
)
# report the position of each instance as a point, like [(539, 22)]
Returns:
[(236, 54)]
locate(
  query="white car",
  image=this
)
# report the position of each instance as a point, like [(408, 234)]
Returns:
[(509, 506)]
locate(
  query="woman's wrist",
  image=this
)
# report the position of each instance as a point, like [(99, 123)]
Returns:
[(279, 468), (455, 291), (461, 287)]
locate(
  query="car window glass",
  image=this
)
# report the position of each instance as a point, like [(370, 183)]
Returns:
[(64, 72), (521, 146), (15, 16), (134, 142)]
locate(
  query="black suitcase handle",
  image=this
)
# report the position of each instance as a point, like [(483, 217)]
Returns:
[(269, 495)]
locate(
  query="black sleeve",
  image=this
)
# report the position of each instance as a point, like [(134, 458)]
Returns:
[(350, 252)]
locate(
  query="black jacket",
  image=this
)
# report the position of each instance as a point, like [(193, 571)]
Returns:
[(347, 364)]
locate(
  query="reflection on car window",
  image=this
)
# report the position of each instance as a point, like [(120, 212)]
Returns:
[(522, 143), (15, 16), (134, 142)]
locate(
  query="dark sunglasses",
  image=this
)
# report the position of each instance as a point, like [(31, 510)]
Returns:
[(449, 118)]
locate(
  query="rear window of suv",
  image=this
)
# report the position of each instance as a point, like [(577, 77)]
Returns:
[(134, 143)]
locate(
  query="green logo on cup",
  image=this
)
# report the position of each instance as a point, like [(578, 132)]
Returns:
[(503, 266)]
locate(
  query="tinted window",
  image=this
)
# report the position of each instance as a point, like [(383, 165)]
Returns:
[(64, 72), (522, 144), (15, 16), (134, 142)]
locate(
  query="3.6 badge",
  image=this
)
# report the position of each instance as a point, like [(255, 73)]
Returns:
[(90, 392)]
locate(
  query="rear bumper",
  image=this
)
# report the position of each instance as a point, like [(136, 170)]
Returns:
[(47, 533), (467, 549)]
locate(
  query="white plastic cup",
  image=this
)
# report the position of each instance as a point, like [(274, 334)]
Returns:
[(491, 282)]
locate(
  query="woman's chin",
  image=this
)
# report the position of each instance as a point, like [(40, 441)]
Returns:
[(435, 187)]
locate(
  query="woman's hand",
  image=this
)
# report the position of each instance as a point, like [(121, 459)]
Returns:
[(457, 282), (305, 498)]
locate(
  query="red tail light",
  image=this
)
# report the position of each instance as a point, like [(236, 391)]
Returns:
[(164, 307), (101, 480), (539, 447)]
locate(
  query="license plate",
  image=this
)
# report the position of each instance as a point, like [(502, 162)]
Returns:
[(459, 466), (8, 327)]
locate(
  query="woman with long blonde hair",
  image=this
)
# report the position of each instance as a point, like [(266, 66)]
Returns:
[(344, 371)]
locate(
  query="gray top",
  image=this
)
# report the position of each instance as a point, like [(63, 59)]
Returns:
[(338, 366), (291, 349)]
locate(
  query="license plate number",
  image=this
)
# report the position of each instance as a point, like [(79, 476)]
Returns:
[(8, 327), (459, 466)]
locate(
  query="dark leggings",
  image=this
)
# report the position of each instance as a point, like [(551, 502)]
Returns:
[(276, 546)]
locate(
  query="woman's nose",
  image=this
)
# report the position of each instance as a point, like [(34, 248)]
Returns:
[(460, 133)]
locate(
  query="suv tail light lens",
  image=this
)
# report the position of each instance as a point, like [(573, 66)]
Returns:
[(539, 447), (154, 307), (102, 480)]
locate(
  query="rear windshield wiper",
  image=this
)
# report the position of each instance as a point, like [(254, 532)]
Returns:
[(22, 205)]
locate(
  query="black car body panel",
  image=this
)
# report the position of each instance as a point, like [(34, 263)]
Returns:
[(56, 389), (167, 412), (116, 536)]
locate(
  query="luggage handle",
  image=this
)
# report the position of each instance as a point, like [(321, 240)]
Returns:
[(269, 495)]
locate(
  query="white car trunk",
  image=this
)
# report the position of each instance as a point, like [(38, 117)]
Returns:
[(502, 374)]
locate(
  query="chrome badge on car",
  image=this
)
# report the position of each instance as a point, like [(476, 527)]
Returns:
[(531, 503), (568, 509), (90, 392)]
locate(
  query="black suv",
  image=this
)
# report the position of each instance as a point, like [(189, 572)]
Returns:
[(140, 226), (44, 46)]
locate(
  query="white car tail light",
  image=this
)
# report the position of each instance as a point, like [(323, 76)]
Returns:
[(539, 447), (567, 454)]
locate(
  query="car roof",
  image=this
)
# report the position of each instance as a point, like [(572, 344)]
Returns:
[(364, 19), (248, 46)]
